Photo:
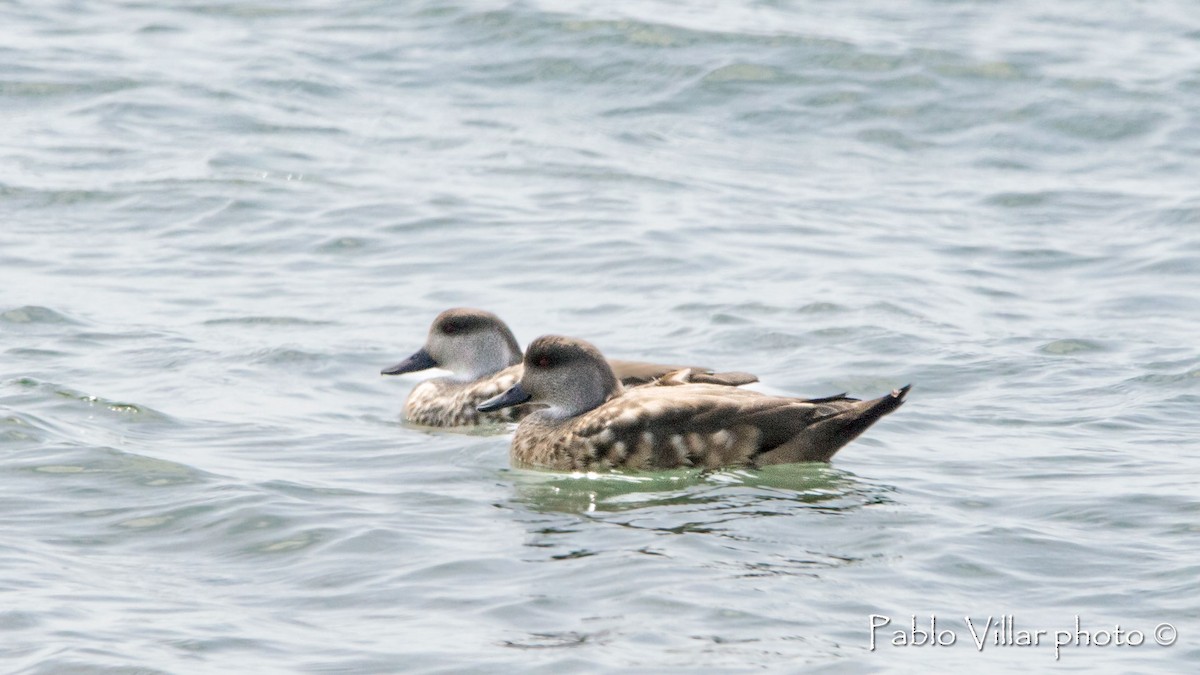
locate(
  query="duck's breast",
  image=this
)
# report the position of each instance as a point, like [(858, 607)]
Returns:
[(445, 403)]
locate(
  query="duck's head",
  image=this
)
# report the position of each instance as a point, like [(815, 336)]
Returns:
[(567, 375), (470, 343)]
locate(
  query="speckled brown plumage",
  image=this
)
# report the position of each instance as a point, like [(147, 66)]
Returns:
[(442, 402), (589, 425)]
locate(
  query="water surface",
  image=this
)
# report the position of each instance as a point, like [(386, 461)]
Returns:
[(219, 220)]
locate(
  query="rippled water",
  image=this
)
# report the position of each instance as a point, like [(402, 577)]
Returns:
[(220, 219)]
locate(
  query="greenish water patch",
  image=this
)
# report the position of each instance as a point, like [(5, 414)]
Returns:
[(268, 321), (815, 485), (32, 314), (1071, 346), (742, 72)]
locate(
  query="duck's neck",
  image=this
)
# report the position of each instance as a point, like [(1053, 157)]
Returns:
[(586, 394), (487, 361)]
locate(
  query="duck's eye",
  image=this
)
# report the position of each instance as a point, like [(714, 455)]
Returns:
[(544, 362), (450, 328)]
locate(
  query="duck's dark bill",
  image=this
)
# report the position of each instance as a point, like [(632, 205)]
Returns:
[(419, 361), (513, 396)]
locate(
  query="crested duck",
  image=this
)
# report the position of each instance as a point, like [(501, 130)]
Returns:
[(588, 421)]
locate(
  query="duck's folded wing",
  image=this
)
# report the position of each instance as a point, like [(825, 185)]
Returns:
[(732, 378), (686, 425), (699, 425), (634, 373)]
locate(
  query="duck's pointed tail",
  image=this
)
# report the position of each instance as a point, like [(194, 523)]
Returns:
[(845, 420), (856, 420), (850, 423), (882, 406)]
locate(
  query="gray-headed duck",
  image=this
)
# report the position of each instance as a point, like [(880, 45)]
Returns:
[(589, 422), (485, 360)]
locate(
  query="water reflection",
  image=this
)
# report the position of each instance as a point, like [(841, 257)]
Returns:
[(653, 516), (774, 490)]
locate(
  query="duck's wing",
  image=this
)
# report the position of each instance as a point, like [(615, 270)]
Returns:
[(732, 378), (831, 399), (711, 426), (635, 373)]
